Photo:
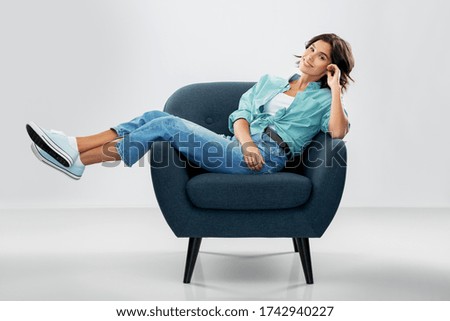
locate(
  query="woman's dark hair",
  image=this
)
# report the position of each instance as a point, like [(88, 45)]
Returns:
[(341, 55)]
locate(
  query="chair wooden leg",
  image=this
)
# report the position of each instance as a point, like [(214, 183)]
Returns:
[(193, 248), (305, 256), (295, 245)]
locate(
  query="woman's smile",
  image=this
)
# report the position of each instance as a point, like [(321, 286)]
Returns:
[(307, 63)]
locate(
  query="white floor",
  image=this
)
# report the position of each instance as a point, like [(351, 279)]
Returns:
[(131, 254)]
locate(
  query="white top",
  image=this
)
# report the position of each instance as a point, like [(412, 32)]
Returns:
[(281, 100)]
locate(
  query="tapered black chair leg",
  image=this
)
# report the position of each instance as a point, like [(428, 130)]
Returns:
[(295, 245), (305, 256), (193, 248)]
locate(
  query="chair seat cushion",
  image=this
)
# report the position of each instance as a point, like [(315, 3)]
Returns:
[(248, 192)]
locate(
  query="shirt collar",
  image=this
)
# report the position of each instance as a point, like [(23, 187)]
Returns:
[(311, 86)]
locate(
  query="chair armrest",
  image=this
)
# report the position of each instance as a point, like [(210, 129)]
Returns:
[(169, 176), (325, 163)]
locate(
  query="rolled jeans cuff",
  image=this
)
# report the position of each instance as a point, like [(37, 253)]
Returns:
[(122, 154)]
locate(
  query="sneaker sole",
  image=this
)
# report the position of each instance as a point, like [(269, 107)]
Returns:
[(44, 160), (44, 142)]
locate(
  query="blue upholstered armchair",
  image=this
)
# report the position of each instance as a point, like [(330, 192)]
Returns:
[(298, 202)]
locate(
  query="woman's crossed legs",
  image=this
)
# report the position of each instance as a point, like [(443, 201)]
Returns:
[(130, 141)]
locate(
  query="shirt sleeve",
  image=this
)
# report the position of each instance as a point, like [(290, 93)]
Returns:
[(244, 110), (326, 120), (247, 108)]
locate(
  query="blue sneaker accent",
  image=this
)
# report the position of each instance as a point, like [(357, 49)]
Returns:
[(54, 143), (75, 171)]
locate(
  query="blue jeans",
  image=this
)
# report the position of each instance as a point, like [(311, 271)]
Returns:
[(205, 148)]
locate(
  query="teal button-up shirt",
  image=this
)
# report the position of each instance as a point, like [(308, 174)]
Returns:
[(297, 125)]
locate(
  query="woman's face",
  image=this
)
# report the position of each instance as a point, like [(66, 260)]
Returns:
[(315, 59)]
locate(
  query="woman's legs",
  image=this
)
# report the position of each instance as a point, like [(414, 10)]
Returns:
[(90, 142), (213, 152), (101, 147), (130, 126), (104, 153), (130, 141)]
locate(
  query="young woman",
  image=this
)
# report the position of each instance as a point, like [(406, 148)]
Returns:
[(275, 120)]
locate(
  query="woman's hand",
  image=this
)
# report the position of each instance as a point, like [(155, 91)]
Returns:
[(333, 76), (338, 124), (252, 156)]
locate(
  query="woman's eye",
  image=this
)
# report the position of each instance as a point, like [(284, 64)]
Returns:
[(322, 57)]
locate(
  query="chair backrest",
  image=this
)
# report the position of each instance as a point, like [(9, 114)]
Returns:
[(207, 104)]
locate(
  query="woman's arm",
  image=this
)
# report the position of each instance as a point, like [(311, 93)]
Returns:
[(338, 125), (252, 155)]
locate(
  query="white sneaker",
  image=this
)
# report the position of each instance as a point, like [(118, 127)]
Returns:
[(75, 171), (54, 143)]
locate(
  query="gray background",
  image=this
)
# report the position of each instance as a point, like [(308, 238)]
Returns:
[(83, 66)]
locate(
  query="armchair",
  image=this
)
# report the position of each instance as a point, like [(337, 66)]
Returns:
[(298, 202)]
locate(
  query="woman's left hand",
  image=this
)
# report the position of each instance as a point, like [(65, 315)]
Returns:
[(333, 76)]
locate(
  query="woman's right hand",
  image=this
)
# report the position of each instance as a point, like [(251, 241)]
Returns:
[(252, 156)]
